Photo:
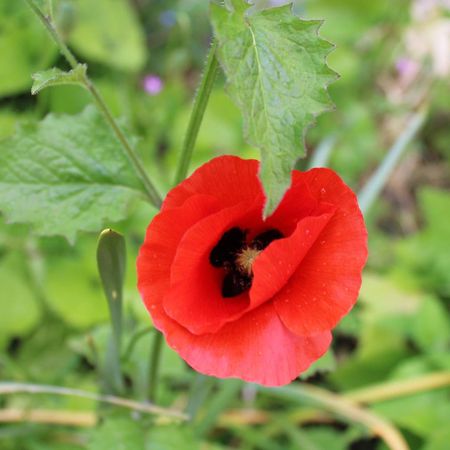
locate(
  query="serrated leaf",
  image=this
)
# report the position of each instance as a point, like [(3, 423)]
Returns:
[(55, 77), (277, 75), (65, 174)]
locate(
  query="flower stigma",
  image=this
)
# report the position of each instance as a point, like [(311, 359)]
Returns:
[(235, 256)]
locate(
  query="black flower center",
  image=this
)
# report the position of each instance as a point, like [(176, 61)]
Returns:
[(235, 255)]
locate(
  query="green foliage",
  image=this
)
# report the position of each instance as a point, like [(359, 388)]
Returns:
[(422, 413), (73, 288), (168, 438), (108, 32), (19, 310), (24, 47), (118, 434), (54, 321), (424, 260), (277, 75), (65, 174), (56, 77)]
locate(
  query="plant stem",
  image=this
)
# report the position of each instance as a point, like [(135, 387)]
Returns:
[(342, 407), (150, 189), (134, 159), (49, 417), (16, 388), (154, 365), (322, 153), (48, 24), (134, 340), (377, 181), (386, 391), (198, 110), (200, 389)]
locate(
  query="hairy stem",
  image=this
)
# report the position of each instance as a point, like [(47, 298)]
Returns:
[(134, 159), (198, 110)]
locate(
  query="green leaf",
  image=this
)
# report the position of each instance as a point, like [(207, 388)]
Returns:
[(72, 287), (423, 413), (111, 260), (423, 259), (19, 311), (118, 434), (65, 174), (55, 77), (172, 438), (431, 327), (438, 440), (277, 75), (108, 32)]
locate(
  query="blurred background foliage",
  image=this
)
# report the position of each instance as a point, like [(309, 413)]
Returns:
[(146, 57)]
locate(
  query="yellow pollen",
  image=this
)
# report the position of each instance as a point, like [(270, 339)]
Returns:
[(245, 259)]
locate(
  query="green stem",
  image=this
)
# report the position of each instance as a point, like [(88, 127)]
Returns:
[(376, 182), (152, 193), (48, 24), (394, 389), (198, 110), (8, 388), (133, 341), (200, 390), (134, 159), (154, 365)]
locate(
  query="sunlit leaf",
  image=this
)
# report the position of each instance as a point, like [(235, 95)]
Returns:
[(65, 174), (277, 75)]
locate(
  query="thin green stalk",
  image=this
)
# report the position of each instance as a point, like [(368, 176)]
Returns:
[(155, 362), (322, 153), (227, 392), (200, 389), (151, 191), (395, 389), (133, 341), (48, 24), (8, 388), (134, 159), (198, 110), (377, 181)]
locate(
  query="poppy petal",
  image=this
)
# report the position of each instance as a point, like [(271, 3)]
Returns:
[(326, 284), (256, 348), (228, 178), (195, 298), (276, 264), (297, 204), (161, 242)]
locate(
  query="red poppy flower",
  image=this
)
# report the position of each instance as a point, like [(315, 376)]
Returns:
[(237, 296)]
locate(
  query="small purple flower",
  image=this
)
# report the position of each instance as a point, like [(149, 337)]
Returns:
[(407, 67), (153, 85)]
